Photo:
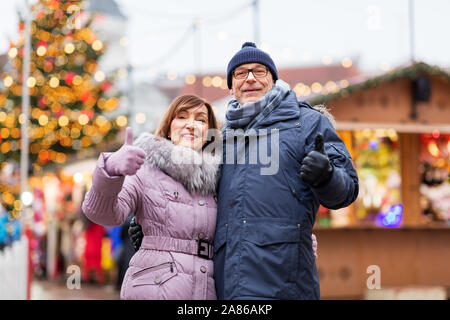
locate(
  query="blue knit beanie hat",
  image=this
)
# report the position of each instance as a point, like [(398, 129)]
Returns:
[(250, 54)]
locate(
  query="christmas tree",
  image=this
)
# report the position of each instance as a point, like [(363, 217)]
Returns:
[(69, 97)]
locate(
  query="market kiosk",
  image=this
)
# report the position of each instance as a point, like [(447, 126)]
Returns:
[(396, 236)]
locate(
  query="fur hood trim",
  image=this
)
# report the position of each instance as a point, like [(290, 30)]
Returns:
[(197, 171), (323, 110)]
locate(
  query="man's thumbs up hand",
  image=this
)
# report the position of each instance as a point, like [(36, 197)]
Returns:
[(127, 160), (316, 169), (318, 144)]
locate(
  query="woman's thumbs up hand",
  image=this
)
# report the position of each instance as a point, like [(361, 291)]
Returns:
[(127, 160)]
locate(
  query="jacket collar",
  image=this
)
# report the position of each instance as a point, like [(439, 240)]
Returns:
[(286, 110), (289, 109)]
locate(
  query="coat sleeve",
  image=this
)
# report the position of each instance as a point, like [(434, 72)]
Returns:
[(343, 187), (111, 199)]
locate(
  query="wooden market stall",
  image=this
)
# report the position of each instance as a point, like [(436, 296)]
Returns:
[(411, 104)]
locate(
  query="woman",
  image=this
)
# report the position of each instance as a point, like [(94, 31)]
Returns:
[(168, 181)]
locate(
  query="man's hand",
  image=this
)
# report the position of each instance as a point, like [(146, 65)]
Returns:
[(316, 169), (127, 160), (135, 233)]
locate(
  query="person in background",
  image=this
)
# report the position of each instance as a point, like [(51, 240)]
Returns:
[(3, 227), (92, 271), (125, 253)]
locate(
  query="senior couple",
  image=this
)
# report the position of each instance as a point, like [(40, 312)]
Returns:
[(219, 227)]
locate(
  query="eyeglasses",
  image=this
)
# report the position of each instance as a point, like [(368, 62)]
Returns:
[(258, 72)]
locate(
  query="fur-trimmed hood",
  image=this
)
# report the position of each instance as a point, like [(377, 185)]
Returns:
[(323, 110), (197, 171)]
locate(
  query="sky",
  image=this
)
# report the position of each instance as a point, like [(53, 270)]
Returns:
[(375, 34)]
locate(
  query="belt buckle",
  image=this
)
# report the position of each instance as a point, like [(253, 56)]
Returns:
[(201, 249)]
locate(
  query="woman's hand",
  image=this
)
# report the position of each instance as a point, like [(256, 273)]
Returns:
[(314, 244), (127, 160)]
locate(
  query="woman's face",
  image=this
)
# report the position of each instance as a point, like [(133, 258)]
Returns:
[(189, 128)]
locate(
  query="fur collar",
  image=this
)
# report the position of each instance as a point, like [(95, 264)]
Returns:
[(323, 110), (197, 172)]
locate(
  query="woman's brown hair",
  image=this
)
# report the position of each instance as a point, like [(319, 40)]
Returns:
[(182, 103)]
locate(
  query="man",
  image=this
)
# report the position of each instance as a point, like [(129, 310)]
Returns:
[(263, 246), (263, 240)]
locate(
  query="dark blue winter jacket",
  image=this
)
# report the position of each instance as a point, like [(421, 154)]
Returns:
[(263, 246)]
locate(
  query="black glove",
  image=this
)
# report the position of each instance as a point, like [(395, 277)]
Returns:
[(135, 233), (316, 169)]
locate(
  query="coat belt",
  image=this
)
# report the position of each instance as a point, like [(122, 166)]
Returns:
[(178, 245)]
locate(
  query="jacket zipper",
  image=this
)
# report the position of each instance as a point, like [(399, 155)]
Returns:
[(151, 269)]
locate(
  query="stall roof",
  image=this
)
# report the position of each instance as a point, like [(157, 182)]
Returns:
[(411, 71)]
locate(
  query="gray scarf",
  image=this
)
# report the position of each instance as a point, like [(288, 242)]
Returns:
[(238, 116)]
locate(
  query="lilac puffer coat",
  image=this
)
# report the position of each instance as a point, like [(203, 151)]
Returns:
[(173, 198)]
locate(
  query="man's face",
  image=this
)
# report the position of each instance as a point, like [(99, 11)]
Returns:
[(251, 89)]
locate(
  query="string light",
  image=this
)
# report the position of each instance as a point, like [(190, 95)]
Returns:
[(27, 198), (54, 82), (316, 87), (99, 76), (43, 120), (97, 45), (75, 133), (41, 50), (224, 85), (77, 80), (207, 81), (4, 133), (190, 79), (69, 48), (434, 149), (5, 147), (331, 86), (78, 178), (12, 53), (83, 119), (216, 81), (22, 118), (435, 134), (327, 60), (111, 104), (141, 118), (121, 121), (63, 121), (347, 63), (31, 82), (172, 75), (8, 81), (343, 83)]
